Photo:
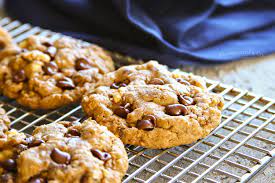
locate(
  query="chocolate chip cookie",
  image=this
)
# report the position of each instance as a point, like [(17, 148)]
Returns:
[(149, 106), (11, 144), (73, 152), (47, 75)]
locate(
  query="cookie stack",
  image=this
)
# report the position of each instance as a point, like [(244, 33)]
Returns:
[(144, 105)]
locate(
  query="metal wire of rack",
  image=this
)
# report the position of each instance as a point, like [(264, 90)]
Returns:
[(234, 152)]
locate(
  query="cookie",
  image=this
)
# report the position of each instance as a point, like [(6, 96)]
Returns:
[(146, 105), (48, 75), (7, 47), (11, 144), (10, 147), (73, 152)]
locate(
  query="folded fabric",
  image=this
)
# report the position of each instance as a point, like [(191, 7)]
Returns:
[(176, 32)]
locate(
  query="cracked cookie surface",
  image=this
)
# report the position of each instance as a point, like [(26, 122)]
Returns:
[(48, 75), (149, 106), (73, 152)]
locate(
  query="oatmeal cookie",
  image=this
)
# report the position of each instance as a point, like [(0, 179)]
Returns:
[(149, 106), (10, 147), (7, 47), (73, 152), (11, 144), (48, 75)]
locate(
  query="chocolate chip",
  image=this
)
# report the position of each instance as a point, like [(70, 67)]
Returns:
[(123, 111), (104, 156), (47, 44), (19, 76), (182, 81), (37, 180), (9, 165), (115, 86), (35, 142), (176, 109), (147, 123), (2, 45), (82, 64), (51, 51), (66, 83), (118, 85), (186, 100), (150, 117), (73, 132), (60, 157), (156, 81), (50, 68)]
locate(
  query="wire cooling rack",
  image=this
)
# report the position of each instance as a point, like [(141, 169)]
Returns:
[(235, 151)]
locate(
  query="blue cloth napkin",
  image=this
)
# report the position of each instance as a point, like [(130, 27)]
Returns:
[(175, 32)]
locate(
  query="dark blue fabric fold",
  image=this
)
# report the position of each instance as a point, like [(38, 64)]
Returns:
[(176, 32)]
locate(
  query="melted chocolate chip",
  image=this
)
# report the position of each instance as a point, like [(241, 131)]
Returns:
[(19, 76), (73, 132), (50, 68), (60, 157), (115, 86), (9, 164), (186, 100), (123, 111), (176, 109), (150, 117), (51, 51), (156, 81), (147, 123), (66, 83), (47, 44), (183, 81), (35, 142), (2, 45), (82, 64), (104, 156)]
